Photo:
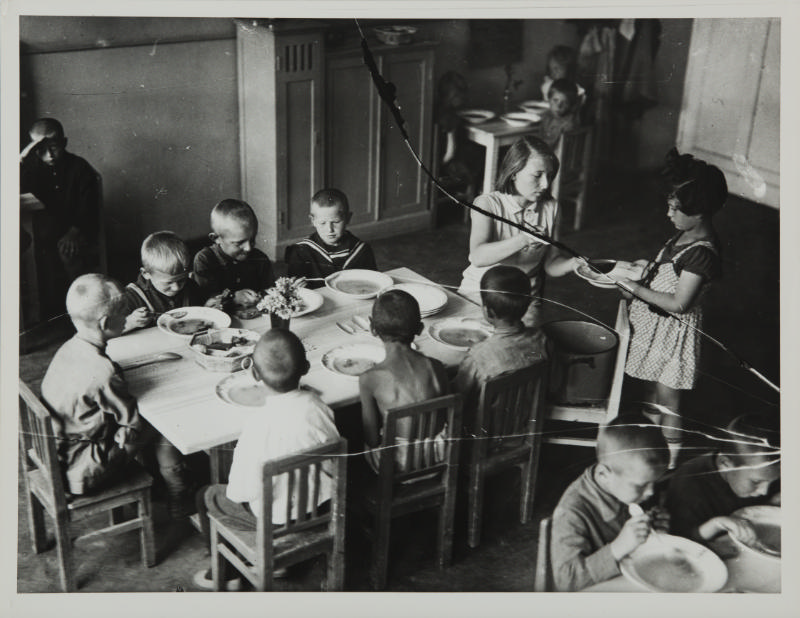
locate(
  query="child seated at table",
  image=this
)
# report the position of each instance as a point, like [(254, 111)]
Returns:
[(505, 294), (331, 247), (232, 264), (706, 490), (96, 419), (592, 526), (291, 420), (562, 116), (404, 377), (164, 282)]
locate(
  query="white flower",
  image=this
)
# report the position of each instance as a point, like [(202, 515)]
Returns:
[(282, 299)]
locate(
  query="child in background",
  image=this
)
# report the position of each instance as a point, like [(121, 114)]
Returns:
[(164, 281), (291, 420), (506, 294), (593, 528), (96, 419), (561, 64), (562, 115), (331, 247), (706, 490), (664, 351), (404, 377), (232, 264)]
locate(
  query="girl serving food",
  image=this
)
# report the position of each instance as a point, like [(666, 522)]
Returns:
[(664, 351), (523, 196)]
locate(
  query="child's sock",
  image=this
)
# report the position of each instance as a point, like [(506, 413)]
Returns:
[(674, 445)]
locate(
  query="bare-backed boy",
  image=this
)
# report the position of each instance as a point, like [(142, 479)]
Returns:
[(331, 247), (403, 377), (592, 526)]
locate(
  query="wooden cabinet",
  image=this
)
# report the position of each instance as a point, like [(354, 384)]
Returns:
[(310, 119)]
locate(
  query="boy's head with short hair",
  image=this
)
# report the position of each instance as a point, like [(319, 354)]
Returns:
[(395, 317), (632, 455), (94, 306), (505, 294), (53, 143), (234, 226), (563, 97), (750, 458), (279, 360), (561, 62), (166, 262), (330, 214)]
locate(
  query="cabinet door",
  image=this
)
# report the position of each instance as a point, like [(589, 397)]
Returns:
[(352, 135), (403, 185), (299, 94)]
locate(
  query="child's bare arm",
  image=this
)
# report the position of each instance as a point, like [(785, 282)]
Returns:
[(370, 415), (483, 250), (681, 301), (558, 264), (27, 150)]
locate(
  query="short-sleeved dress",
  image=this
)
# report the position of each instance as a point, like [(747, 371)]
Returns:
[(541, 217), (664, 349)]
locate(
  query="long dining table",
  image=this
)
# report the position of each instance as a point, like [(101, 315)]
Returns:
[(179, 397)]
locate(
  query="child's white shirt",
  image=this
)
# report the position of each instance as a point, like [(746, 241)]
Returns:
[(288, 423)]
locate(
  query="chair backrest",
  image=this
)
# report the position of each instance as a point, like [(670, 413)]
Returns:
[(38, 444), (574, 150), (544, 572), (304, 473), (510, 409), (432, 428)]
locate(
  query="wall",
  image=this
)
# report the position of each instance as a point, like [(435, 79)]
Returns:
[(159, 120)]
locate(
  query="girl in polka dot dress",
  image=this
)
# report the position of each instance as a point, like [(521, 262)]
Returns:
[(664, 351)]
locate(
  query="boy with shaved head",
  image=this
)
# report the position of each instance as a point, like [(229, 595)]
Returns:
[(593, 528), (96, 419), (292, 420)]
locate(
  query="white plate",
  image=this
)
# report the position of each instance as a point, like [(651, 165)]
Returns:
[(459, 333), (173, 322), (357, 283), (475, 116), (534, 106), (666, 563), (311, 299), (431, 299), (240, 389), (613, 270), (520, 119), (767, 523), (354, 359)]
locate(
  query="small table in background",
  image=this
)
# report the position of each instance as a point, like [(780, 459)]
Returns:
[(493, 135)]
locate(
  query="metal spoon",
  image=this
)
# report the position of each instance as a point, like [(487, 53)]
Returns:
[(163, 357)]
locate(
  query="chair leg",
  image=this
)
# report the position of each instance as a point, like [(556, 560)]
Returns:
[(335, 560), (36, 523), (147, 533), (529, 473), (444, 538), (579, 200), (475, 509), (64, 545), (380, 551), (217, 559)]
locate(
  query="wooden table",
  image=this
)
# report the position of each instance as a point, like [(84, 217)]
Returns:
[(178, 397), (746, 572), (493, 135)]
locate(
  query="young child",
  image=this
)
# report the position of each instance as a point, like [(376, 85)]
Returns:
[(404, 377), (562, 116), (232, 263), (69, 188), (593, 528), (561, 64), (164, 281), (291, 420), (506, 294), (331, 247), (706, 490), (96, 419), (664, 351)]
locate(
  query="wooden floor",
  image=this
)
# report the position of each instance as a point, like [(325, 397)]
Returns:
[(742, 311)]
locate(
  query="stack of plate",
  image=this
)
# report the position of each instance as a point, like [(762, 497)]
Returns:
[(431, 299)]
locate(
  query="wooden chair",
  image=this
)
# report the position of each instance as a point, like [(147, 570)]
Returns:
[(508, 428), (599, 415), (420, 483), (257, 553), (544, 570), (44, 492), (574, 152)]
